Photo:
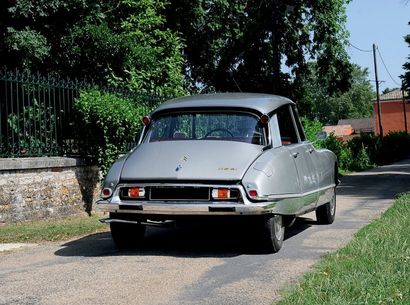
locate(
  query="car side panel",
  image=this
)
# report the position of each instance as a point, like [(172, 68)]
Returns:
[(272, 174), (325, 161)]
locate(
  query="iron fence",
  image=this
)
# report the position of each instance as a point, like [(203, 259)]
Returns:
[(37, 116)]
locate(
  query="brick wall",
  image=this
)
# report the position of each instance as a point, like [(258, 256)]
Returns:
[(35, 188), (392, 117)]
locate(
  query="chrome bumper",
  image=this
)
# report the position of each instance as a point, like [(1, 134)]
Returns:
[(180, 208), (289, 204), (244, 207)]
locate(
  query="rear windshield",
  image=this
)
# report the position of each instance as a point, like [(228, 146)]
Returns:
[(240, 127)]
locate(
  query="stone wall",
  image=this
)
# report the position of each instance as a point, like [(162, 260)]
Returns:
[(38, 188)]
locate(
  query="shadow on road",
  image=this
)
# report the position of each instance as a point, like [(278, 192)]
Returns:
[(184, 241)]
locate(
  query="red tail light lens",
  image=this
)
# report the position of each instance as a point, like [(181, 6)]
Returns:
[(146, 120), (253, 193), (264, 119), (106, 193), (136, 192), (133, 192)]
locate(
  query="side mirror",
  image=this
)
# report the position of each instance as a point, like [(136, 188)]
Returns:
[(321, 135)]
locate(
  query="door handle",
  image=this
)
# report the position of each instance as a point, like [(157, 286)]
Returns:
[(295, 154)]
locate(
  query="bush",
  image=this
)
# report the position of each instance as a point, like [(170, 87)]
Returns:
[(342, 152), (393, 147), (360, 161), (361, 152), (108, 123), (312, 128), (369, 142)]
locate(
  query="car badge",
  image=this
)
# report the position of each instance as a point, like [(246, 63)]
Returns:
[(181, 162)]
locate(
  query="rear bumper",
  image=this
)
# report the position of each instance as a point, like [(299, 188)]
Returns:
[(289, 204), (181, 208)]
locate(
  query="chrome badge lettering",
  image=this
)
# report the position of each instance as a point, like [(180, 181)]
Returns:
[(182, 161)]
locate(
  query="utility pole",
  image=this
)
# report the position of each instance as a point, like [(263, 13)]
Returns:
[(377, 92), (404, 108)]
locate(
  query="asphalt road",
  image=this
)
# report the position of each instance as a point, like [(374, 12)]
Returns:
[(192, 265)]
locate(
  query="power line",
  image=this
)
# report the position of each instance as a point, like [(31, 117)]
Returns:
[(388, 72), (359, 49)]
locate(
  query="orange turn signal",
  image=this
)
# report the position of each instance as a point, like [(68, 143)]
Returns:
[(221, 193)]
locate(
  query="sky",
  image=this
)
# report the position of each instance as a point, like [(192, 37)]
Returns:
[(385, 23)]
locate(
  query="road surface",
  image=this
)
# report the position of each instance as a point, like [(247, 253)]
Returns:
[(192, 265)]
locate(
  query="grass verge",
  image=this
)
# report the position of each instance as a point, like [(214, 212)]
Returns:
[(372, 269), (51, 230)]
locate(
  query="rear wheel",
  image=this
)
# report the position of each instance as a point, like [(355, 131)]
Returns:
[(273, 234), (127, 236), (326, 213)]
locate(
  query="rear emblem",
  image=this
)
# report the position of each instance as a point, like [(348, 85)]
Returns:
[(181, 162)]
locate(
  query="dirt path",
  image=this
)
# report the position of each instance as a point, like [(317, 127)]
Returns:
[(192, 266)]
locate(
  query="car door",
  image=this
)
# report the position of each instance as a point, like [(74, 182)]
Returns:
[(300, 151)]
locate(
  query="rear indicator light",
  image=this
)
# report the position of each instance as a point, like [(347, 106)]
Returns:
[(146, 120), (136, 192), (225, 194), (106, 193), (253, 193), (221, 193), (264, 119)]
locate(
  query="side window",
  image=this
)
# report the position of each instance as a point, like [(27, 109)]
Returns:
[(298, 124), (287, 130)]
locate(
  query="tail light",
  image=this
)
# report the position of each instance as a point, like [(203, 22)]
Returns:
[(225, 193), (253, 193), (133, 192), (106, 193)]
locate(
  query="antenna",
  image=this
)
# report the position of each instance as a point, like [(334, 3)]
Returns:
[(233, 78)]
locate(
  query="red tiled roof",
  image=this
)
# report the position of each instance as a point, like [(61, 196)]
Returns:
[(339, 130), (394, 95)]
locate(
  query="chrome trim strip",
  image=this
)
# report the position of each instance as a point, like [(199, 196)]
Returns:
[(116, 199), (286, 196), (147, 223)]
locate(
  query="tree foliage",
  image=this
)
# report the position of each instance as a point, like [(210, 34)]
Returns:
[(319, 104), (116, 42), (261, 46), (157, 45), (109, 123), (406, 66)]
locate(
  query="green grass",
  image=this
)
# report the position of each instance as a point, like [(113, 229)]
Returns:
[(51, 230), (372, 269)]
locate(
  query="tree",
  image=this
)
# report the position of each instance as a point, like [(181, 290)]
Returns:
[(319, 104), (406, 66), (261, 46), (112, 42)]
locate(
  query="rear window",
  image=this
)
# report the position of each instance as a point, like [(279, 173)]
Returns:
[(230, 126)]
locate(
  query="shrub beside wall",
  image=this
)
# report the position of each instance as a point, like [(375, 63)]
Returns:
[(364, 151), (108, 123)]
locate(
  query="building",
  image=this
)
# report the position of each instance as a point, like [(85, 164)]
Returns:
[(364, 125), (394, 111), (347, 129)]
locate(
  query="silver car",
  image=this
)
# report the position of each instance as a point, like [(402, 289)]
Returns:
[(220, 155)]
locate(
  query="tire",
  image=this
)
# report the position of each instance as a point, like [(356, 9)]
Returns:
[(326, 213), (127, 236), (273, 234)]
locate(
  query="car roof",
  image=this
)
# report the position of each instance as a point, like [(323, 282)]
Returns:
[(263, 103)]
